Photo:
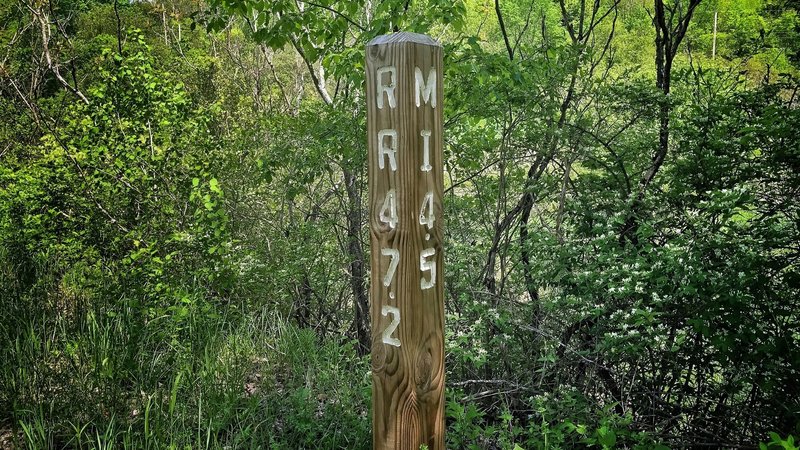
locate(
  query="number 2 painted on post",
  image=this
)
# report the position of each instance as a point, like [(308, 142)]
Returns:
[(387, 333)]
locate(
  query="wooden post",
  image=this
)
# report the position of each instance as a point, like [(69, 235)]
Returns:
[(404, 131)]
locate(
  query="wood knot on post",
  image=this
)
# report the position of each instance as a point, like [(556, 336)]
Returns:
[(378, 356), (424, 371)]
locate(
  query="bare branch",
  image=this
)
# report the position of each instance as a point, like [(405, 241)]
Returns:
[(338, 13), (503, 29), (44, 23), (319, 82)]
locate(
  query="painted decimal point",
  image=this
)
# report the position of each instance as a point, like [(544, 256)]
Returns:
[(388, 88), (427, 236), (389, 151), (425, 265), (395, 255), (387, 333), (425, 90), (391, 295), (426, 151)]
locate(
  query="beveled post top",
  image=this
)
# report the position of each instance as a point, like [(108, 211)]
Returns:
[(404, 36)]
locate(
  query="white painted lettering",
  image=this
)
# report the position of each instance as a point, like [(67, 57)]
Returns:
[(390, 150), (425, 265), (426, 216), (426, 151), (395, 255), (388, 88), (387, 333), (390, 205), (425, 90)]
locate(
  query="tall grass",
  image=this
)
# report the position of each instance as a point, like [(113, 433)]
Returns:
[(78, 373)]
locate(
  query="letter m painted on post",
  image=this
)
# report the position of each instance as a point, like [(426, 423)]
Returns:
[(425, 90)]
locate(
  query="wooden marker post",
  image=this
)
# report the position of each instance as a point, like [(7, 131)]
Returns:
[(404, 130)]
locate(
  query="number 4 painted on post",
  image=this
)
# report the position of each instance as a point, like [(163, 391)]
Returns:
[(426, 216), (390, 206)]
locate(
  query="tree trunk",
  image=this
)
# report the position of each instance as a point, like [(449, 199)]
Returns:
[(671, 26), (355, 251), (357, 272)]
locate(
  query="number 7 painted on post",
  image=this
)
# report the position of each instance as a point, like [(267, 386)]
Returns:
[(395, 255)]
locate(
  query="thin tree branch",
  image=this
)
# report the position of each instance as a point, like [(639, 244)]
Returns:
[(338, 13), (44, 23), (503, 29)]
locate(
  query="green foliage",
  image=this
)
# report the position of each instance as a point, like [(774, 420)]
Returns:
[(108, 213), (176, 264), (777, 442), (316, 30)]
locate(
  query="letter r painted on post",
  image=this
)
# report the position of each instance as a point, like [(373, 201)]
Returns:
[(387, 88), (390, 150), (426, 90)]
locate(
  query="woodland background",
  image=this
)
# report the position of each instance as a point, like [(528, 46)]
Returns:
[(183, 223)]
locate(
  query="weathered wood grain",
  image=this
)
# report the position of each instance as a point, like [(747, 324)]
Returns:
[(408, 381)]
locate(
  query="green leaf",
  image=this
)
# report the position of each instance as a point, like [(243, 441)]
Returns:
[(214, 185), (606, 437), (174, 392)]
